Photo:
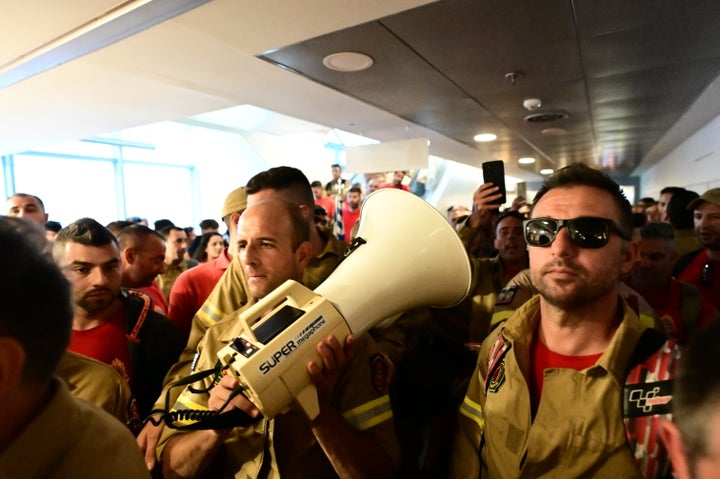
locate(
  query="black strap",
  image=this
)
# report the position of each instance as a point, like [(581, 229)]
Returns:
[(650, 341)]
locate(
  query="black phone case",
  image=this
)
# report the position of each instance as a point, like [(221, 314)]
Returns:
[(494, 172)]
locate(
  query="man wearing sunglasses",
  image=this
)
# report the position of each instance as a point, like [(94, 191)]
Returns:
[(546, 397)]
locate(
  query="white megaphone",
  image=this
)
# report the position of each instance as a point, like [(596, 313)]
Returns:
[(406, 255)]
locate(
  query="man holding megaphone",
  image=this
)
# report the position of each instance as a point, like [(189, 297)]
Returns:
[(353, 434)]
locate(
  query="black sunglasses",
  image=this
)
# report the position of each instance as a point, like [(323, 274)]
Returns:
[(586, 231)]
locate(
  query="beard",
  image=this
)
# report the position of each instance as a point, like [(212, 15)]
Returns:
[(575, 292), (94, 303)]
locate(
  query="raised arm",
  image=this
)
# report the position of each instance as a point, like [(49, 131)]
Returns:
[(353, 453)]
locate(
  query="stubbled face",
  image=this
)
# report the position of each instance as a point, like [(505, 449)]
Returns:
[(335, 173), (654, 268), (509, 240), (265, 250), (398, 177), (214, 247), (707, 224), (26, 207), (175, 246), (94, 273), (318, 192), (565, 274), (353, 200)]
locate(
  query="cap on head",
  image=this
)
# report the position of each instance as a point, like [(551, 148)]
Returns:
[(235, 202), (711, 196)]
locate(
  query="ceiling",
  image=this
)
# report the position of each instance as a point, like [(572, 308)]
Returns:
[(629, 80)]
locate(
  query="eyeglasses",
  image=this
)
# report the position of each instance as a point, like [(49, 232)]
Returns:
[(585, 232), (706, 274)]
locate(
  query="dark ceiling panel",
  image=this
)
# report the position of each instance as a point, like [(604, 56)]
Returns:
[(621, 71)]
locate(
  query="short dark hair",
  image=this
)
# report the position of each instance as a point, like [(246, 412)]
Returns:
[(209, 223), (355, 189), (509, 214), (316, 184), (165, 232), (27, 195), (335, 165), (291, 183), (579, 174), (162, 224), (677, 211), (85, 231), (53, 226), (657, 230), (36, 309), (135, 235)]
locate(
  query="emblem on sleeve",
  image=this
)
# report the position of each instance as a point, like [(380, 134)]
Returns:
[(498, 377), (507, 294)]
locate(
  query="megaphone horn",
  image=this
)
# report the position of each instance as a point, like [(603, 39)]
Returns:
[(407, 256)]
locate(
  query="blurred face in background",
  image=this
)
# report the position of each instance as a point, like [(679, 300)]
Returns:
[(175, 246), (27, 207), (353, 200), (215, 247), (654, 268)]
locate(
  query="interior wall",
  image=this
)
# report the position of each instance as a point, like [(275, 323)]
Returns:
[(694, 164)]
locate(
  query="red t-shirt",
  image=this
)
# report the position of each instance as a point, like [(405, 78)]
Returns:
[(191, 289), (543, 359), (401, 187), (705, 274), (349, 220), (327, 202), (106, 342)]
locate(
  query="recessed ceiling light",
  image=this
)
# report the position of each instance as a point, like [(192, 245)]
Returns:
[(553, 131), (528, 160), (348, 61), (546, 171), (484, 137)]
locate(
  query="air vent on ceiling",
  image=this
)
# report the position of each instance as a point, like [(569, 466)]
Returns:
[(545, 117)]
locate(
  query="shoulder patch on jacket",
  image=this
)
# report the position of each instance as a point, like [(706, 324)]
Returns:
[(507, 294)]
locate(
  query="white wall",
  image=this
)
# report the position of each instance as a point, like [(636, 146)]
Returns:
[(694, 164)]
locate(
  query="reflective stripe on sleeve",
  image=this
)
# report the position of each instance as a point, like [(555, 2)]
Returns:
[(370, 413), (210, 314), (472, 410)]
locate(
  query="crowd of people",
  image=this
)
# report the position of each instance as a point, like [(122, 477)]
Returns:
[(585, 347)]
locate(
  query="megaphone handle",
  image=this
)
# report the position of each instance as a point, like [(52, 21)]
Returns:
[(307, 399)]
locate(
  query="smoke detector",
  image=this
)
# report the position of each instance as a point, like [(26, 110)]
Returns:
[(532, 104)]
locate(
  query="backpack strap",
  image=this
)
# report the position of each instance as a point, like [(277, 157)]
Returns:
[(145, 308), (647, 399)]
